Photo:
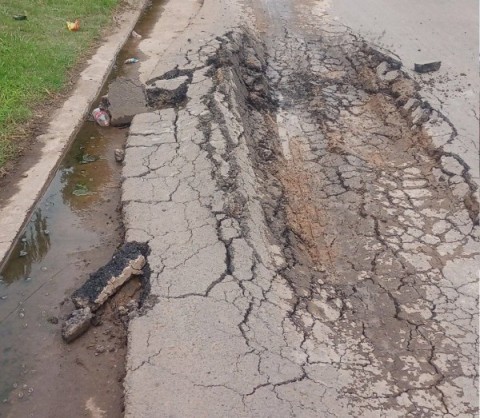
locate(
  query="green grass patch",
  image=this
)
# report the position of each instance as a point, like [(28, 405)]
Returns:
[(36, 55)]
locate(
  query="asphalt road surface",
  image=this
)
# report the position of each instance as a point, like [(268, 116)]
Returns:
[(311, 208)]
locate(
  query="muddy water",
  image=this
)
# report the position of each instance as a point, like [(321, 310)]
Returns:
[(73, 231)]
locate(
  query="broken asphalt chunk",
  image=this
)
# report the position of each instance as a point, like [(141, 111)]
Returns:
[(127, 262), (77, 324), (428, 67)]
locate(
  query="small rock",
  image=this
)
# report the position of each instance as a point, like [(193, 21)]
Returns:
[(419, 116), (23, 253), (77, 324), (119, 155), (132, 305), (411, 105), (28, 279), (53, 320), (382, 69), (44, 268), (100, 349), (20, 395), (428, 67), (46, 232), (122, 310), (21, 315), (252, 62), (391, 75)]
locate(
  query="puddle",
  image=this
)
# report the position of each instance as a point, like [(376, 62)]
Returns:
[(73, 231)]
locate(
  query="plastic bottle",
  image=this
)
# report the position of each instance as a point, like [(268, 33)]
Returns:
[(101, 116)]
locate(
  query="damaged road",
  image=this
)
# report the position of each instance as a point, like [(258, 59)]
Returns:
[(314, 248), (127, 262)]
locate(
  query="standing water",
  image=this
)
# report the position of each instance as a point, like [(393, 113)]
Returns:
[(73, 231)]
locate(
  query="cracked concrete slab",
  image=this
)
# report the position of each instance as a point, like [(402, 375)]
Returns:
[(313, 250)]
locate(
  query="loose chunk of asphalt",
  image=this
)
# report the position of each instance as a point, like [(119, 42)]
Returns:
[(428, 67), (128, 261)]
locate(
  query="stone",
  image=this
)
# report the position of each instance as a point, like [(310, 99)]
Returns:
[(122, 310), (428, 67), (419, 116), (382, 69), (77, 324), (411, 105), (100, 349), (119, 155)]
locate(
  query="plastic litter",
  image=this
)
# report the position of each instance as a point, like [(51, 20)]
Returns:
[(101, 116), (131, 61), (81, 190), (87, 158), (19, 17), (73, 26)]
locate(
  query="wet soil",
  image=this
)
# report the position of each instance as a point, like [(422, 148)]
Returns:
[(73, 231)]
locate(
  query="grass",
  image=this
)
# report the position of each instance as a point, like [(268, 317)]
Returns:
[(37, 54)]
